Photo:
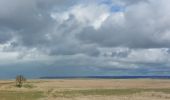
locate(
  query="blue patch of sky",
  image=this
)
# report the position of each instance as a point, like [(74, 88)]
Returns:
[(117, 8), (113, 7)]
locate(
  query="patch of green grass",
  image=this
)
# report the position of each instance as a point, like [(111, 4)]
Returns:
[(28, 86), (13, 95), (105, 92), (161, 90)]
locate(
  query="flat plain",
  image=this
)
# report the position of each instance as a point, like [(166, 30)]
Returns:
[(87, 89)]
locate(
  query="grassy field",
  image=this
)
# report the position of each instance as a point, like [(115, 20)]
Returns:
[(106, 92), (15, 95), (86, 89)]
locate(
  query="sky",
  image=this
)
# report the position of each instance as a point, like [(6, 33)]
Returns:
[(84, 37)]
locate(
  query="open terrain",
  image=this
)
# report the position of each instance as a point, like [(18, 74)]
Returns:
[(87, 89)]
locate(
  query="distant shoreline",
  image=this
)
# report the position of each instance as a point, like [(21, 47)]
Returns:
[(106, 77)]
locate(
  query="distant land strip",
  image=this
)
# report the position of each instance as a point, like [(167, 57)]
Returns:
[(107, 77)]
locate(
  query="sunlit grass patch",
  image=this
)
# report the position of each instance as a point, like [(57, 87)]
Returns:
[(15, 95), (105, 92)]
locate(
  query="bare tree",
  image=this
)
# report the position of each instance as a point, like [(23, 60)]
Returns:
[(20, 80)]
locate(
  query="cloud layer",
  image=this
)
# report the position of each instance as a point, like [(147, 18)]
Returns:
[(94, 37)]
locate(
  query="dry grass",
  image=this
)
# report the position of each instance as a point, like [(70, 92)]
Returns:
[(87, 89)]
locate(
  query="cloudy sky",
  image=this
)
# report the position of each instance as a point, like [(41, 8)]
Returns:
[(84, 37)]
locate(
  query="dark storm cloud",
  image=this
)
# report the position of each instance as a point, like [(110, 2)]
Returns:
[(35, 28), (32, 22), (24, 18), (5, 35), (33, 25)]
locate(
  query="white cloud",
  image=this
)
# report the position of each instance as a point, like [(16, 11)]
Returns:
[(85, 14), (149, 56)]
